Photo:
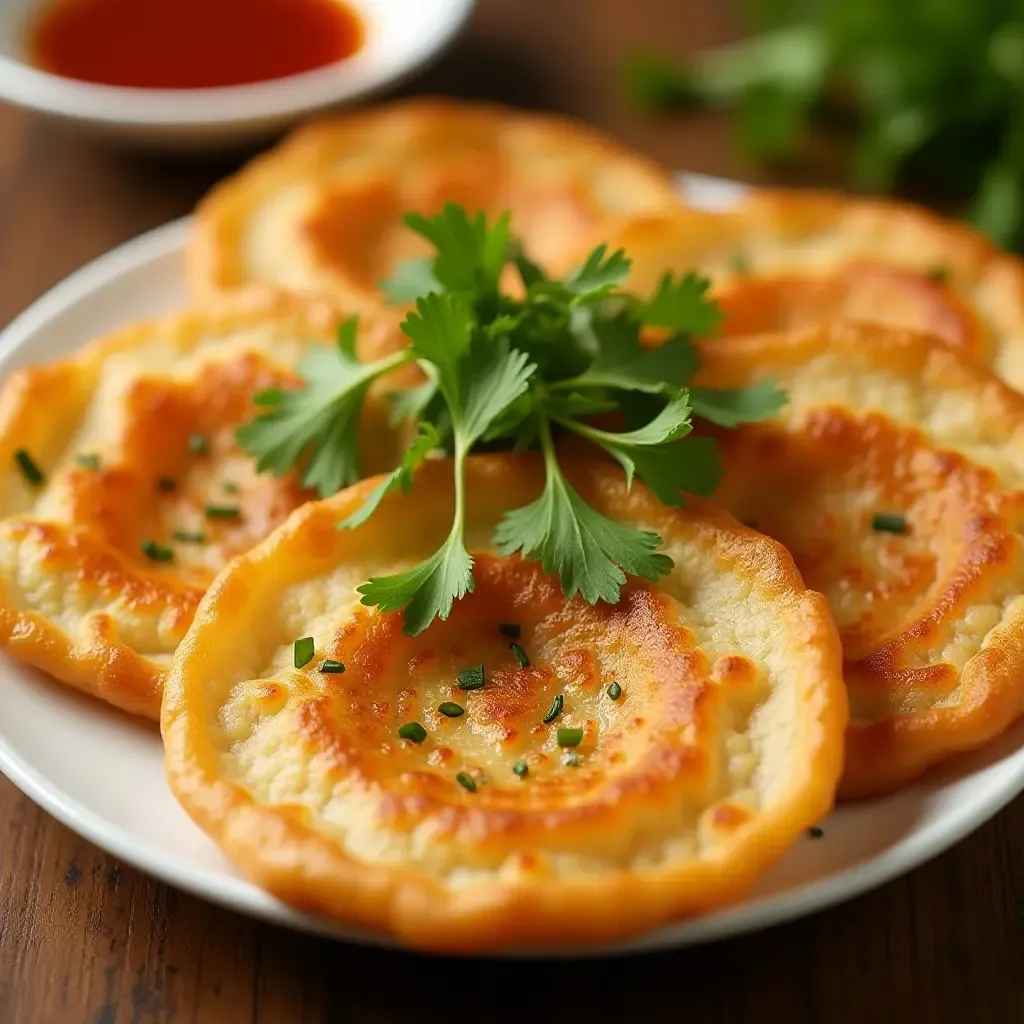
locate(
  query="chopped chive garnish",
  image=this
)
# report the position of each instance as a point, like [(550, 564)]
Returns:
[(524, 661), (223, 512), (739, 263), (570, 737), (412, 731), (555, 710), (521, 768), (304, 648), (572, 759), (450, 709), (229, 487), (29, 470), (156, 552), (815, 832), (198, 444), (471, 678), (165, 483), (939, 273), (88, 461), (331, 667), (510, 629), (466, 782), (888, 522), (614, 691), (184, 537)]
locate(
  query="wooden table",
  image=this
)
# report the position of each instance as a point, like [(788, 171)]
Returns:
[(86, 940)]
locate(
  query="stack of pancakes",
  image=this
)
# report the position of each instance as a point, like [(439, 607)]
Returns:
[(848, 612)]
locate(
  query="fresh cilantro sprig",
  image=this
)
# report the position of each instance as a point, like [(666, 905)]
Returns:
[(319, 424), (933, 89), (512, 372)]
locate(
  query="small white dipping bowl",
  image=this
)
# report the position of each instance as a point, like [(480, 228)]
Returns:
[(400, 37)]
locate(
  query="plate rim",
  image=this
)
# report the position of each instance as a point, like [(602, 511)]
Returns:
[(237, 894)]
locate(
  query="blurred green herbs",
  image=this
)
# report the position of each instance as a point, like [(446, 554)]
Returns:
[(935, 88)]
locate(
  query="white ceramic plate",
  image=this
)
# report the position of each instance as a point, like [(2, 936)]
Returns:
[(401, 36), (101, 772)]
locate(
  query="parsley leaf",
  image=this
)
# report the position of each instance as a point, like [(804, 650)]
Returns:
[(429, 589), (591, 553), (731, 408), (427, 440), (440, 331), (320, 422), (410, 280), (476, 393), (470, 255), (507, 371), (622, 362), (657, 453), (931, 89), (682, 306), (598, 275)]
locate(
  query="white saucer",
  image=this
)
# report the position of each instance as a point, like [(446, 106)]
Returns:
[(401, 37), (101, 772)]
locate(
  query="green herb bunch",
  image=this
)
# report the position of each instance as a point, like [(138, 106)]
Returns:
[(935, 87), (513, 372)]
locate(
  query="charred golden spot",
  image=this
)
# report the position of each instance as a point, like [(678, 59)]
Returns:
[(526, 862), (637, 642), (513, 695), (735, 671), (730, 816)]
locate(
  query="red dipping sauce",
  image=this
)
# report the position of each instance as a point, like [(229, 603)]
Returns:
[(191, 44)]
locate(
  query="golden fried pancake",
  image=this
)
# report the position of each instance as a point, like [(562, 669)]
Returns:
[(787, 259), (894, 476), (144, 495), (323, 211), (722, 744)]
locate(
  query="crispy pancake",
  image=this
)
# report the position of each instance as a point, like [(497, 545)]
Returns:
[(322, 212), (787, 259), (134, 437), (723, 745), (889, 423)]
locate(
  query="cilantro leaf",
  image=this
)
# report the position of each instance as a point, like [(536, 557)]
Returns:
[(440, 330), (318, 423), (491, 389), (591, 553), (478, 389), (758, 402), (428, 590), (622, 362), (682, 306), (410, 279), (470, 255), (501, 370), (411, 403), (427, 440), (658, 455), (599, 274)]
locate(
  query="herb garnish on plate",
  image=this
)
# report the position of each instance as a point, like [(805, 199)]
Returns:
[(515, 371)]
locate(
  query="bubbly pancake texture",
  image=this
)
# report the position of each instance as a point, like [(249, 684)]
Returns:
[(928, 597), (788, 259), (144, 494), (323, 211), (723, 745)]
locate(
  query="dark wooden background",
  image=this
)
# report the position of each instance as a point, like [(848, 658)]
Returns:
[(86, 940)]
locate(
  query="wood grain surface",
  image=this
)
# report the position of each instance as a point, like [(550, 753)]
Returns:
[(86, 940)]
